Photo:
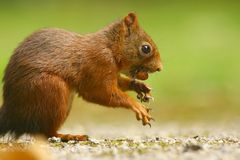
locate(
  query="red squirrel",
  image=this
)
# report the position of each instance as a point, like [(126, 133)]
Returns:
[(51, 65)]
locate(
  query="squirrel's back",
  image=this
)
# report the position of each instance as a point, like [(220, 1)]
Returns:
[(46, 50)]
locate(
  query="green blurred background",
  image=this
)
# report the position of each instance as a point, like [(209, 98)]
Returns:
[(199, 43)]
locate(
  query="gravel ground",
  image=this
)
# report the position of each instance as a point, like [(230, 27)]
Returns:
[(168, 142)]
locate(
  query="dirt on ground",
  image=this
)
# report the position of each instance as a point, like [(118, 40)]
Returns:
[(165, 142)]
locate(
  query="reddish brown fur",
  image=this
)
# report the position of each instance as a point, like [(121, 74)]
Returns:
[(51, 64)]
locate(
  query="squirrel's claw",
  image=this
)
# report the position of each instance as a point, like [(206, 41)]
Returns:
[(146, 121), (152, 119), (144, 97), (149, 97), (138, 116), (148, 109), (149, 124), (140, 96)]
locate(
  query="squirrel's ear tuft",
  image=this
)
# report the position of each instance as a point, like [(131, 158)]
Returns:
[(131, 20)]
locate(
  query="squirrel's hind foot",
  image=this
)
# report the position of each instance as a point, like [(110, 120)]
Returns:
[(68, 137)]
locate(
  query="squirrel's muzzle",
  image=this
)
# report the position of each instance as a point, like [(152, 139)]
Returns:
[(160, 68)]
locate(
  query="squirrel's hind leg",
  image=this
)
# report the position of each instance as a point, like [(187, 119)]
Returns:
[(68, 137)]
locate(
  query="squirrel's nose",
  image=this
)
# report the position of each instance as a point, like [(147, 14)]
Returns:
[(159, 68)]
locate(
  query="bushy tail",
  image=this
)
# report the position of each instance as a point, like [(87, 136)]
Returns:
[(3, 123), (6, 124)]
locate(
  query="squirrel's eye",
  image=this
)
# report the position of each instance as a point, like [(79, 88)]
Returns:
[(146, 49)]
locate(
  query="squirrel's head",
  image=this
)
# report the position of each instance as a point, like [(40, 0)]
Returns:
[(139, 52)]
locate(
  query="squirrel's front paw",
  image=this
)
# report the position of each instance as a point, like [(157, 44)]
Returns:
[(142, 113), (143, 91), (146, 97)]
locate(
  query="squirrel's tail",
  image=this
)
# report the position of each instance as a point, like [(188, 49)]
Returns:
[(3, 123)]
